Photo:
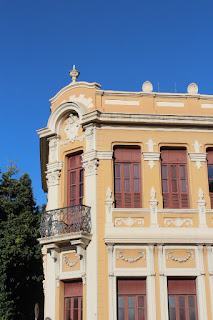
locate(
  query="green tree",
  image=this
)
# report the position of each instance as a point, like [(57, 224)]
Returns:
[(21, 271)]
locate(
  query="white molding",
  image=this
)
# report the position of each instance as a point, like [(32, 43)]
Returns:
[(111, 278), (85, 101), (210, 270), (129, 221), (178, 222), (132, 210), (151, 157), (139, 118), (153, 208), (207, 105), (198, 158), (80, 84), (152, 94), (150, 285), (105, 154), (201, 290), (122, 102), (171, 104)]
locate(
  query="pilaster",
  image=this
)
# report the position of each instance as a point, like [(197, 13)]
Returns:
[(210, 269), (151, 296), (201, 290), (163, 285)]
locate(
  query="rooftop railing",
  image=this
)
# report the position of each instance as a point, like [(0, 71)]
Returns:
[(65, 220)]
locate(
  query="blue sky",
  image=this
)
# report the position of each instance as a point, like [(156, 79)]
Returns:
[(119, 44)]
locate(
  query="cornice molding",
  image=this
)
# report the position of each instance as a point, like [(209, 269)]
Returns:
[(97, 116), (79, 84), (153, 94)]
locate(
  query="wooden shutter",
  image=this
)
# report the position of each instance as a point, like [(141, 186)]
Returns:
[(127, 173), (132, 299), (210, 173), (174, 178), (73, 303), (182, 299), (75, 181)]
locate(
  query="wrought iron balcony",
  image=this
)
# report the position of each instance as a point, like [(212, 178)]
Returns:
[(65, 220)]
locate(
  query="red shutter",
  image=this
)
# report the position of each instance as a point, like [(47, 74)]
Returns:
[(132, 299), (210, 173), (127, 169), (174, 179), (73, 304), (182, 299), (75, 180)]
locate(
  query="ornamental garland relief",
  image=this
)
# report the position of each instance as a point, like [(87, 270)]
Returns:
[(71, 262), (141, 255), (178, 222), (72, 125), (189, 254), (129, 222)]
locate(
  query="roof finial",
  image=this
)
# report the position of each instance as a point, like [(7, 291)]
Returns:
[(74, 74)]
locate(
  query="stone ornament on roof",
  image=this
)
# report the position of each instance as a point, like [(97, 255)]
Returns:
[(192, 88), (147, 86), (74, 74)]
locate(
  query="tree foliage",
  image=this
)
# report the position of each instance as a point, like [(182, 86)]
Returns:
[(20, 253)]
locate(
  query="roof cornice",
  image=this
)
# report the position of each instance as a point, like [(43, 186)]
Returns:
[(97, 116), (152, 94)]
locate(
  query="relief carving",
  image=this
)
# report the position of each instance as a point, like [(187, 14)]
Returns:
[(178, 222), (142, 254), (72, 125), (170, 256), (71, 263), (129, 221)]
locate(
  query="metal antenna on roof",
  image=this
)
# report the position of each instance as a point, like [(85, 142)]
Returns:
[(175, 87), (158, 87)]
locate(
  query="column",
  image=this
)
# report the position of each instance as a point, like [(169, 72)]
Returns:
[(210, 268), (90, 163), (52, 263), (201, 290), (163, 285), (112, 288), (151, 296), (53, 173)]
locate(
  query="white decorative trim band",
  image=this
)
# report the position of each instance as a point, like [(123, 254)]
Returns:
[(151, 157), (105, 155), (71, 264), (178, 222), (207, 105), (142, 254), (189, 255), (198, 158), (122, 102), (129, 221), (170, 104)]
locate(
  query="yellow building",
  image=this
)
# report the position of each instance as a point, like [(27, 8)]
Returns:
[(127, 233)]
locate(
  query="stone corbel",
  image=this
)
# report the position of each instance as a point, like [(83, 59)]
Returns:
[(153, 208), (202, 210)]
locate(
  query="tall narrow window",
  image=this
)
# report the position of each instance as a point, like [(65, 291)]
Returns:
[(73, 304), (75, 180), (210, 173), (174, 178), (131, 300), (127, 172), (182, 300)]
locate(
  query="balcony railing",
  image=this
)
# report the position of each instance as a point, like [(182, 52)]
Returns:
[(65, 220)]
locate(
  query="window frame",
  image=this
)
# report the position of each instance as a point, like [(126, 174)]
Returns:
[(79, 173), (129, 176), (178, 199)]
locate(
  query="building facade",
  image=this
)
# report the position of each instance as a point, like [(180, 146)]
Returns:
[(128, 229)]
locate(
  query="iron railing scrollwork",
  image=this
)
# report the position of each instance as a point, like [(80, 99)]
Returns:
[(65, 220)]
